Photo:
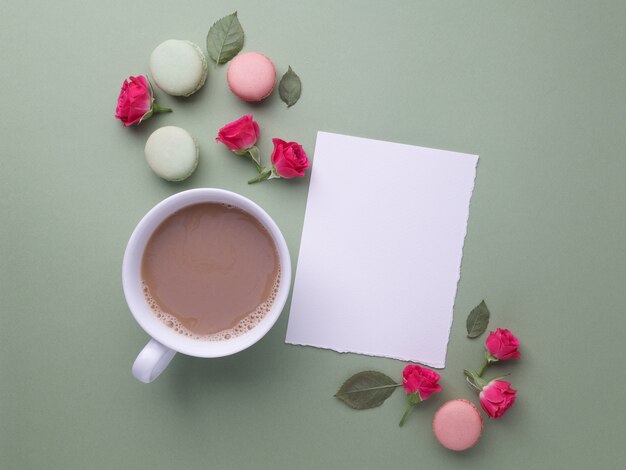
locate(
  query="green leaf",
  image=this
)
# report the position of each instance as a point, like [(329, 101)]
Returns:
[(477, 320), (225, 39), (474, 381), (367, 389), (255, 155), (290, 88), (414, 398)]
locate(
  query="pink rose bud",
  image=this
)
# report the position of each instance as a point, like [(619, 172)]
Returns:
[(419, 383), (420, 380), (496, 398), (289, 159), (239, 135), (502, 345), (136, 102)]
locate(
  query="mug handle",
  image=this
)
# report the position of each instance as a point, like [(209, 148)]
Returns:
[(151, 361)]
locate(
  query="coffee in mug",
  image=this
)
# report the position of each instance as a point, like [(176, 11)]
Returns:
[(210, 271), (206, 273)]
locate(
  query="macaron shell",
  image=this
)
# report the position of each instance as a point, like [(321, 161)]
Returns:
[(458, 425), (172, 153), (251, 76), (178, 67)]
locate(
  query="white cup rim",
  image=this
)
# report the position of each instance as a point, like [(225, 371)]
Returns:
[(131, 275)]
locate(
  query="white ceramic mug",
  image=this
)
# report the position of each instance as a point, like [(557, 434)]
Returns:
[(165, 342)]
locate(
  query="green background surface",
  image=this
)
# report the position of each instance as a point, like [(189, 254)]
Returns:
[(537, 89)]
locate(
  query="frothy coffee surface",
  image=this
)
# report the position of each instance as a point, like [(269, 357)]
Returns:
[(210, 271)]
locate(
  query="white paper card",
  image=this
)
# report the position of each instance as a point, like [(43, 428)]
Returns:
[(381, 248)]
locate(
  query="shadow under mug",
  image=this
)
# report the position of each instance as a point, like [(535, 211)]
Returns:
[(165, 342)]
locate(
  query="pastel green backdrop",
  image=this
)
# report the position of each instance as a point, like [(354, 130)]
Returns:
[(535, 88)]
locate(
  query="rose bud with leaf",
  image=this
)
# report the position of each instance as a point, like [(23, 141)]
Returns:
[(369, 389), (136, 101), (241, 137), (495, 395), (289, 160)]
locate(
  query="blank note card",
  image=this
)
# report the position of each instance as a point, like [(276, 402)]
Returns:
[(381, 248)]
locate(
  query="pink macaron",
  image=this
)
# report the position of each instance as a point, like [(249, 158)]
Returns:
[(457, 425), (251, 76)]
